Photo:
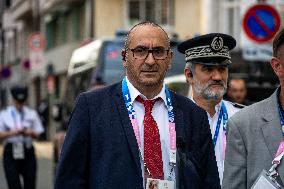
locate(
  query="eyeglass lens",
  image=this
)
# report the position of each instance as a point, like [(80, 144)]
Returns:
[(142, 53)]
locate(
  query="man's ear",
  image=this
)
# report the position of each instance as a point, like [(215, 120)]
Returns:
[(188, 75), (171, 55), (123, 54), (277, 66)]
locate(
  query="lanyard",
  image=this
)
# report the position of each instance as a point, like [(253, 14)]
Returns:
[(223, 114), (17, 122), (132, 117), (280, 151)]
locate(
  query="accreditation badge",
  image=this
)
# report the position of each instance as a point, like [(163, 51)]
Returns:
[(264, 181), (159, 184), (18, 150)]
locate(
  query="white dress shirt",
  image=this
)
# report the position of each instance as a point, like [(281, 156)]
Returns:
[(12, 119), (219, 148), (160, 114)]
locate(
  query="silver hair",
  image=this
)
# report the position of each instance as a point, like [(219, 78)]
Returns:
[(190, 66)]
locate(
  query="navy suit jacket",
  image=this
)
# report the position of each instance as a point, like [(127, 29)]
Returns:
[(100, 150)]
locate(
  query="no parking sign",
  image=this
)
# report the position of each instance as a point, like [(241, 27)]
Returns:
[(261, 22)]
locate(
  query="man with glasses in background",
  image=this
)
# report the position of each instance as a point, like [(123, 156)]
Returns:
[(132, 133)]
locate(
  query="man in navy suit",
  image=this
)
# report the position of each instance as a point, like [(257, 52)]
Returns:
[(108, 143)]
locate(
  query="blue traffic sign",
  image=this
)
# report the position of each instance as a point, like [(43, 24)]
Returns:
[(261, 22)]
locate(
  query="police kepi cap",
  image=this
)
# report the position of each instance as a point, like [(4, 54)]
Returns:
[(209, 49), (19, 93)]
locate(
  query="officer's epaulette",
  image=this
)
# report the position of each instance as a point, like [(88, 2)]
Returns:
[(237, 105)]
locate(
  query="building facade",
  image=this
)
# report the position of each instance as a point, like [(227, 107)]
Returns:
[(69, 24)]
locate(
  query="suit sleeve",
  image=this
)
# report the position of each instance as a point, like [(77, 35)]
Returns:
[(73, 164), (210, 170), (235, 159)]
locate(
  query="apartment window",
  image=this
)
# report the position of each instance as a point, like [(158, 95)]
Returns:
[(159, 11), (77, 23), (63, 28), (230, 18), (51, 34)]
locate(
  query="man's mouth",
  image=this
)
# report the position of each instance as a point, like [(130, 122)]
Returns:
[(149, 71), (216, 85)]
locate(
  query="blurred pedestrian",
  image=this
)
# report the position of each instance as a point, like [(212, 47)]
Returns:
[(19, 124), (113, 141), (237, 91), (255, 133), (206, 70), (43, 112)]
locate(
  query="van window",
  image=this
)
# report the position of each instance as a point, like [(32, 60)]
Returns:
[(178, 62), (113, 70), (76, 84)]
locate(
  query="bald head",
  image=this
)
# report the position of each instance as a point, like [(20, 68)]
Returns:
[(146, 23)]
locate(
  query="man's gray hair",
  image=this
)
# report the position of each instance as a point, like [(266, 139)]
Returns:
[(190, 66)]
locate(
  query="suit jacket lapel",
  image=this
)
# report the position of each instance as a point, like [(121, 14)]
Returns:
[(127, 126), (180, 141), (271, 125), (178, 120)]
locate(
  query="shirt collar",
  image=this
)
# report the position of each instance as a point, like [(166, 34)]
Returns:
[(217, 107), (278, 101), (134, 92)]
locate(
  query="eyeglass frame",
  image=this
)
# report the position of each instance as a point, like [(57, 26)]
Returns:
[(150, 51)]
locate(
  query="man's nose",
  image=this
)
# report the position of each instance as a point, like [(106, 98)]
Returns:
[(216, 75), (150, 58)]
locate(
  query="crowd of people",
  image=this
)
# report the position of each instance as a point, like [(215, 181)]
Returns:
[(139, 134)]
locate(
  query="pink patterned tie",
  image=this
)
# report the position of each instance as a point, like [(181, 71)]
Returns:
[(152, 144)]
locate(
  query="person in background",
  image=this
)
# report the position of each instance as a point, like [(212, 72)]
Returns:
[(127, 134), (207, 60), (237, 91), (19, 124), (43, 112), (255, 134)]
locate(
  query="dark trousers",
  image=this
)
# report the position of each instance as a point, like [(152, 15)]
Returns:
[(16, 168)]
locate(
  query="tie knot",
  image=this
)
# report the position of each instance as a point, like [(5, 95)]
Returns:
[(148, 104)]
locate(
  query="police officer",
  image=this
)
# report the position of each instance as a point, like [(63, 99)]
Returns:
[(207, 59), (18, 125)]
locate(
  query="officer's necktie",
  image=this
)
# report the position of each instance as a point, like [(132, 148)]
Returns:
[(152, 144)]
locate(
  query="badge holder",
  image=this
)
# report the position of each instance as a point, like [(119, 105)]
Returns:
[(159, 184), (267, 180), (18, 150)]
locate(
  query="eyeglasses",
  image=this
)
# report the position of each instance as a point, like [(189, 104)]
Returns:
[(142, 53)]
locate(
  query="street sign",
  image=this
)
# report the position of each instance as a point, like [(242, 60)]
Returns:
[(256, 52), (37, 59), (261, 22), (36, 42)]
